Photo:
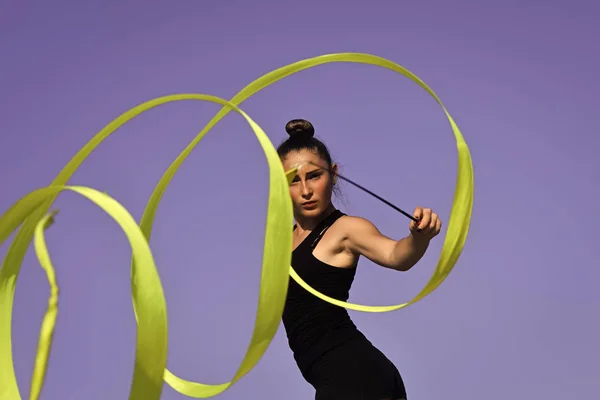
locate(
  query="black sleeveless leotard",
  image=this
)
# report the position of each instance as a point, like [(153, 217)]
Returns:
[(331, 353)]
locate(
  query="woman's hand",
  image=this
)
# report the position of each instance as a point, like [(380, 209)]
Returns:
[(429, 224)]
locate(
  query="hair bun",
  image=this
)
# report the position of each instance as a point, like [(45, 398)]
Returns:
[(300, 129)]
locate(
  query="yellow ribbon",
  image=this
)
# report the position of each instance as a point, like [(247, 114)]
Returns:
[(30, 212)]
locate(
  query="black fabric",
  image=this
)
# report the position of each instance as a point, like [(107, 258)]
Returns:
[(356, 371), (331, 353)]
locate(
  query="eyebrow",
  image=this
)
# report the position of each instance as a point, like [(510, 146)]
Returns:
[(318, 170), (314, 170)]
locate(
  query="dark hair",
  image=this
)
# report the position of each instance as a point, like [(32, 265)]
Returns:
[(302, 137), (302, 134)]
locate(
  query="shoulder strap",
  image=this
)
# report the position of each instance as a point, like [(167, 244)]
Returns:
[(326, 223)]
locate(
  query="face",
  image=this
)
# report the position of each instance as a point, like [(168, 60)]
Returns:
[(312, 187)]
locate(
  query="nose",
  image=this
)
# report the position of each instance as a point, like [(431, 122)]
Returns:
[(306, 189)]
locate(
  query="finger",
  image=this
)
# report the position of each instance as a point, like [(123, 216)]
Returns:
[(433, 222), (438, 226), (412, 226), (425, 219), (418, 213)]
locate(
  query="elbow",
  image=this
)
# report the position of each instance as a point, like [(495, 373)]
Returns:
[(403, 266), (400, 264), (406, 255)]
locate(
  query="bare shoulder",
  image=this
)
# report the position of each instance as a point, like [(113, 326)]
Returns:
[(361, 236), (343, 233), (350, 229), (351, 225)]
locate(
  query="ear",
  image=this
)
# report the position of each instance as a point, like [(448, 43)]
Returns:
[(334, 170)]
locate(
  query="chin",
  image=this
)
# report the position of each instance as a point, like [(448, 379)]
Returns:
[(311, 213)]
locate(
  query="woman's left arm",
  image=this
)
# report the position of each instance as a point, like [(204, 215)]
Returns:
[(365, 239)]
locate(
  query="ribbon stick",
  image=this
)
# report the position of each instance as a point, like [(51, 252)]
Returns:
[(30, 213)]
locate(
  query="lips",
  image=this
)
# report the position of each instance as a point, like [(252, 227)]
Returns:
[(309, 204)]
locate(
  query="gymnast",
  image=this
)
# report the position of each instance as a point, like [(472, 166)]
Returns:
[(330, 352)]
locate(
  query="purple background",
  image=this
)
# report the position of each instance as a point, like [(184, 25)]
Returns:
[(518, 317)]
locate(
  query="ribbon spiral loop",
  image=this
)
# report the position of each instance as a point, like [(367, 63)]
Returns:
[(31, 214)]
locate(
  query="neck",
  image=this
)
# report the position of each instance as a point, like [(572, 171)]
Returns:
[(308, 224)]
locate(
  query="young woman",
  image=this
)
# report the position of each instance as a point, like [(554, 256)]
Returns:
[(331, 353)]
